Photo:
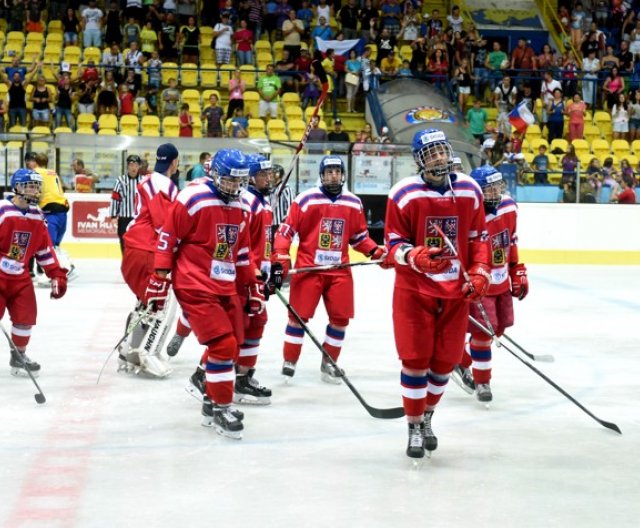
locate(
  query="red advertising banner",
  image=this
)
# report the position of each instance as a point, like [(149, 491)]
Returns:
[(91, 220)]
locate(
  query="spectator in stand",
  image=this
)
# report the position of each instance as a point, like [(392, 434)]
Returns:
[(168, 44), (504, 97), (620, 117), (222, 34), (568, 181), (322, 9), (338, 134), (155, 13), (577, 20), (186, 9), (540, 164), (186, 121), (92, 23), (480, 77), (148, 39), (438, 68), (236, 93), (154, 71), (368, 17), (625, 194), (634, 115), (391, 16), (523, 58), (310, 91), (303, 62), (476, 118), (456, 22), (108, 99), (305, 14), (569, 74), (576, 112), (134, 10), (348, 17), (113, 62), (86, 96), (526, 95), (609, 60), (285, 68), (405, 70), (316, 134), (555, 112), (389, 66), (41, 99), (625, 57), (239, 124), (269, 87), (549, 85), (126, 101), (292, 31), (462, 74), (171, 98), (546, 59), (133, 60), (64, 102), (131, 31), (70, 27), (244, 44), (198, 170), (590, 67), (613, 86), (113, 25), (18, 94), (496, 61), (385, 42), (270, 18), (410, 25), (322, 31), (213, 115), (190, 40), (352, 79)]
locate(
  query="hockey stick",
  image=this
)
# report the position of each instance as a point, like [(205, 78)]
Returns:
[(385, 414), (608, 425), (548, 358), (40, 397), (329, 267), (303, 140), (130, 328)]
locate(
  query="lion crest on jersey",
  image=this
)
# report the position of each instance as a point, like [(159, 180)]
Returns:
[(227, 236), (331, 233), (19, 244), (499, 247), (449, 226)]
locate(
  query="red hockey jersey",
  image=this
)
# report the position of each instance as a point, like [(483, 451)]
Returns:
[(413, 208), (153, 200), (260, 220), (205, 242), (326, 226), (23, 234), (501, 225)]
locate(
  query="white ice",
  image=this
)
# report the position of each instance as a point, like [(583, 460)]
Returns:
[(132, 452)]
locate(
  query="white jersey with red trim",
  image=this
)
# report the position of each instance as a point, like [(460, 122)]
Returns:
[(326, 226), (414, 208), (501, 224), (155, 195), (23, 234), (260, 221), (205, 242)]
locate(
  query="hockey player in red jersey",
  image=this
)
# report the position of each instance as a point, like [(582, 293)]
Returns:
[(156, 193), (23, 235), (205, 246), (431, 297), (508, 279), (327, 220)]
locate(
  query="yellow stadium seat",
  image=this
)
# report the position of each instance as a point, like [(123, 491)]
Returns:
[(11, 50), (602, 120), (189, 75), (257, 134), (52, 53), (263, 59), (256, 124), (197, 126), (226, 72), (406, 52), (171, 126), (278, 46), (600, 147), (533, 131), (16, 37), (526, 146), (91, 53), (86, 120), (559, 143), (150, 125), (129, 125), (189, 95), (169, 71), (632, 159), (84, 130), (206, 33), (309, 112), (35, 38), (251, 103), (248, 74), (54, 39), (591, 133), (208, 75), (275, 125), (206, 95), (290, 97), (535, 144), (263, 46), (62, 130), (54, 26), (45, 130), (107, 132), (292, 112), (206, 53), (635, 147), (620, 147), (108, 121), (31, 53), (585, 160), (296, 129), (581, 146), (72, 54), (278, 136)]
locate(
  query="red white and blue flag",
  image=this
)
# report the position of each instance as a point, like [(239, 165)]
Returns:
[(521, 117)]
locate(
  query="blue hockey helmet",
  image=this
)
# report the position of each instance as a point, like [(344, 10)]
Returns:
[(230, 173), (27, 184), (433, 155), (259, 165), (490, 181), (330, 181)]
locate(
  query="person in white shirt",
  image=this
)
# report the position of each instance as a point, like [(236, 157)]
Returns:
[(92, 22), (549, 84), (455, 20)]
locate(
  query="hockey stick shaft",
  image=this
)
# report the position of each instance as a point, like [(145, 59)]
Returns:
[(608, 425), (385, 414), (548, 358), (329, 267), (40, 397), (303, 141)]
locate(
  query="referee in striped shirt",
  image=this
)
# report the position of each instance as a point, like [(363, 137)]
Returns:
[(123, 196), (280, 204)]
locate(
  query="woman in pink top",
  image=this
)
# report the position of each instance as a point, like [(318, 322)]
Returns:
[(575, 110), (613, 86), (236, 93)]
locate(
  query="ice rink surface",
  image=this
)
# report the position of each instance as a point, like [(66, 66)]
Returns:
[(131, 451)]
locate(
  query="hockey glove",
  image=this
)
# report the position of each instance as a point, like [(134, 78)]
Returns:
[(427, 260), (519, 281), (276, 278), (380, 253), (256, 301), (59, 284), (478, 284), (284, 260), (157, 291)]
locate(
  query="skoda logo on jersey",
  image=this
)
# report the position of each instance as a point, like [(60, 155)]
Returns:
[(492, 178), (216, 270), (239, 172), (433, 136)]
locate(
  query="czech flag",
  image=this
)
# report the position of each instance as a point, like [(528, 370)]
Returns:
[(521, 117)]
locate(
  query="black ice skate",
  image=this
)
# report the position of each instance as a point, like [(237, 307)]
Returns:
[(415, 447), (430, 440), (247, 389), (174, 345), (330, 374), (222, 418), (20, 363), (288, 369), (483, 393), (196, 388), (463, 378)]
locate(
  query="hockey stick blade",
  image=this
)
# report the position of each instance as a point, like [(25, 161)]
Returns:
[(545, 358), (608, 425), (39, 397), (384, 414), (330, 267)]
